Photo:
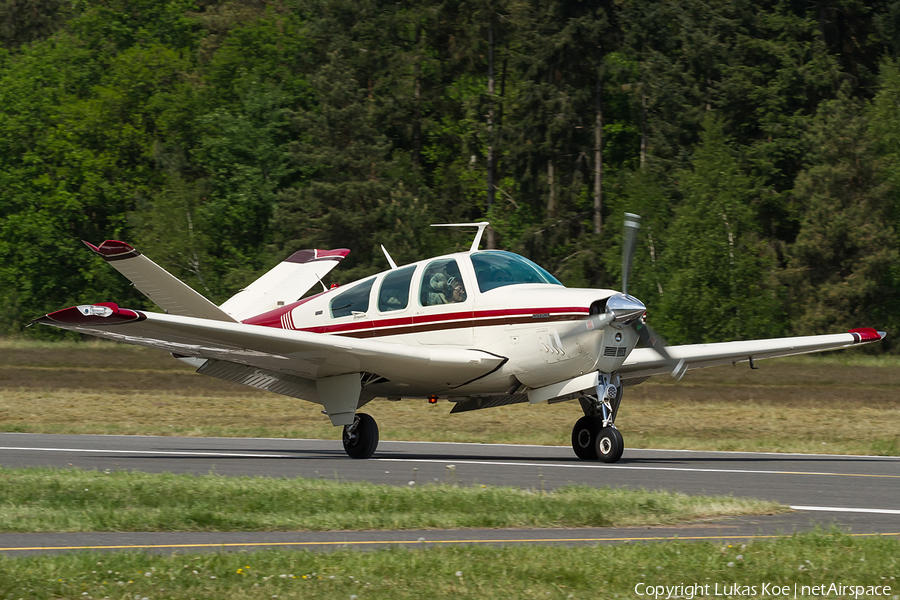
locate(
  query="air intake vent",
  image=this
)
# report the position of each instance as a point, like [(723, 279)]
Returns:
[(614, 351)]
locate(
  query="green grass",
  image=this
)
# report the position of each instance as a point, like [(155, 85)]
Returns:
[(459, 572), (34, 500)]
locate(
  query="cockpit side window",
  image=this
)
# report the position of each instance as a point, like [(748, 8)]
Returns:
[(353, 300), (442, 283), (497, 268), (394, 292)]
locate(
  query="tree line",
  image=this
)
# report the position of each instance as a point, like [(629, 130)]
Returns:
[(759, 140)]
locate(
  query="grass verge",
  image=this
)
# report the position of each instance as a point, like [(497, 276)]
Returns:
[(467, 572), (45, 500)]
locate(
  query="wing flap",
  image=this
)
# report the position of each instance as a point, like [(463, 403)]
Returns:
[(645, 362), (262, 379)]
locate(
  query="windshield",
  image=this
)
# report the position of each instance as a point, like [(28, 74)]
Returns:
[(497, 268)]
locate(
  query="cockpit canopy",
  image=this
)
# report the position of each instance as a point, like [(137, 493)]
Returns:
[(498, 268)]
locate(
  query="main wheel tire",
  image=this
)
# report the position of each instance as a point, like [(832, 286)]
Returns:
[(584, 437), (363, 442), (610, 445)]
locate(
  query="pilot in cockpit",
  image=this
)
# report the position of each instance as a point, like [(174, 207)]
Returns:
[(456, 289)]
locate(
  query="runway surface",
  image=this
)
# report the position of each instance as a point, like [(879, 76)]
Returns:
[(857, 493)]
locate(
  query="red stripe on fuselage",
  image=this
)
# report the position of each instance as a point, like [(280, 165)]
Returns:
[(456, 320)]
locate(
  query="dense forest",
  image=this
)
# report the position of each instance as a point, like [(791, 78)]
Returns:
[(760, 141)]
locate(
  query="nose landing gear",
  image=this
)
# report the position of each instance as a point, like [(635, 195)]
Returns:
[(595, 435)]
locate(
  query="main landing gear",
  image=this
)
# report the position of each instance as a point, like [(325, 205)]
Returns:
[(361, 438), (595, 435)]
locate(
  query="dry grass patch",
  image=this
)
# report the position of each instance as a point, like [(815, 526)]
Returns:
[(843, 404)]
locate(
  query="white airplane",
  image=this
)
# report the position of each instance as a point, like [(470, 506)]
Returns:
[(479, 328)]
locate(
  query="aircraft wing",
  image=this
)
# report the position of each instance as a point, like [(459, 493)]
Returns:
[(294, 354), (644, 362)]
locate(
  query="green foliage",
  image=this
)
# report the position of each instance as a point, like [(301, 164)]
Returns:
[(843, 266), (221, 136), (717, 265)]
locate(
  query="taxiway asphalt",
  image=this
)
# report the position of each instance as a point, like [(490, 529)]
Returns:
[(857, 493)]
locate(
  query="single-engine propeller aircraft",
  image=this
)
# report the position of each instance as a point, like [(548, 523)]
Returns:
[(479, 328)]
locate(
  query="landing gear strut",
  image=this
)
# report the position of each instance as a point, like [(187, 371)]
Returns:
[(361, 438), (595, 435)]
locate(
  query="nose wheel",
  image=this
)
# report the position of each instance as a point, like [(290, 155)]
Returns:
[(584, 437), (610, 445), (361, 438), (594, 436), (592, 441)]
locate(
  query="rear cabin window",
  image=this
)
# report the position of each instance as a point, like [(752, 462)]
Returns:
[(353, 300), (394, 292), (497, 268)]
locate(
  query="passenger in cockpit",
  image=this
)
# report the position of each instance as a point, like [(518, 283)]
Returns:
[(438, 283)]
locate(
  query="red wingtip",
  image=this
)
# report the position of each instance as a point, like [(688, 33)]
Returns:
[(91, 246), (114, 250), (102, 313), (305, 256), (868, 334)]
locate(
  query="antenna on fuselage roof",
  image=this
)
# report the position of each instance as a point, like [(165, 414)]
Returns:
[(481, 225), (387, 255)]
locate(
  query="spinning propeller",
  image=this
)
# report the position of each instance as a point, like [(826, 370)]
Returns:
[(624, 310)]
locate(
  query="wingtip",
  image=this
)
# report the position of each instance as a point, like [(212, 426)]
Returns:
[(868, 334), (305, 256), (113, 250), (102, 313)]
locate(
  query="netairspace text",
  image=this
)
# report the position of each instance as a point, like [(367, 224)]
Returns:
[(698, 590)]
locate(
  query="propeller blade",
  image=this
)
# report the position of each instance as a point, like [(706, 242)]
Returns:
[(592, 323), (632, 224), (651, 339)]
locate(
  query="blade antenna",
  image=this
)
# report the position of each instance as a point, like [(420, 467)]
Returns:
[(387, 255), (481, 225), (632, 224)]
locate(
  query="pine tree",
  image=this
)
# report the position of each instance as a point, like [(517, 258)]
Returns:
[(719, 285), (842, 266)]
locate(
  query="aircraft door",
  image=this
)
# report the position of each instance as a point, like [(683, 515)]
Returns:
[(444, 306)]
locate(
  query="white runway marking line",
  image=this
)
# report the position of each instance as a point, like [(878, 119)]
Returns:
[(168, 452), (628, 467), (878, 511), (385, 441), (461, 462)]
